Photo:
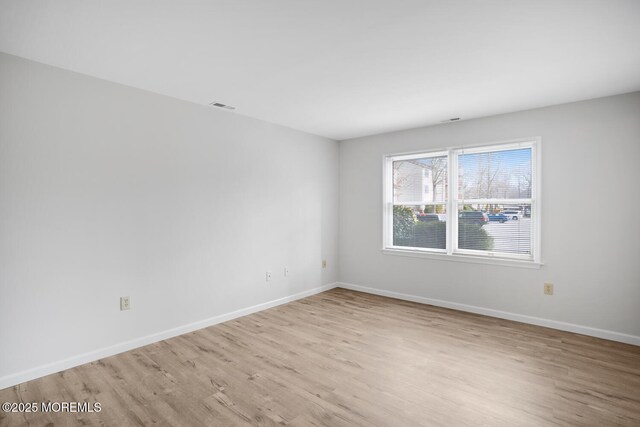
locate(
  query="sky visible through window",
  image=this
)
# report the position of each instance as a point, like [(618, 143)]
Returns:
[(495, 174)]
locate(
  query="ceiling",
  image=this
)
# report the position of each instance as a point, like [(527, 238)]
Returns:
[(341, 68)]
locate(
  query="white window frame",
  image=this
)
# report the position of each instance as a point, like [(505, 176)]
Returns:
[(452, 252)]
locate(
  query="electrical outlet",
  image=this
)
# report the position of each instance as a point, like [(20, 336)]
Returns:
[(324, 263), (268, 276), (548, 288), (286, 271), (125, 303)]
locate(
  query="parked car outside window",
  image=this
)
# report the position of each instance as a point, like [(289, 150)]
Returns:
[(473, 217), (432, 217), (513, 214), (500, 217)]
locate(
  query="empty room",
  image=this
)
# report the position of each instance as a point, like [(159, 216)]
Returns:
[(320, 213)]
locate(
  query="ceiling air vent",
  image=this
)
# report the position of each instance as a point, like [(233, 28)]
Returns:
[(219, 105)]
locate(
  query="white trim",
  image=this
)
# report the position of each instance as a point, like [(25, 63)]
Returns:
[(536, 209), (452, 177), (415, 249), (80, 359), (387, 195), (534, 260), (460, 257), (493, 255), (532, 320), (418, 153), (534, 144), (500, 146)]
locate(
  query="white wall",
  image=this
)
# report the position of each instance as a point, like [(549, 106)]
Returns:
[(590, 218), (107, 191)]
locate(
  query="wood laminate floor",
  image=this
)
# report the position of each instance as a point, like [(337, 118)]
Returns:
[(343, 358)]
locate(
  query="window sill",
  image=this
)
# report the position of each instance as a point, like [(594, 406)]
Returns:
[(464, 258)]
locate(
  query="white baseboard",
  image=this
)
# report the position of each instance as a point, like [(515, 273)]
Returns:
[(553, 324), (81, 359), (51, 368)]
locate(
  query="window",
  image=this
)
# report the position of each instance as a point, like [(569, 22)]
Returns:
[(478, 202)]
